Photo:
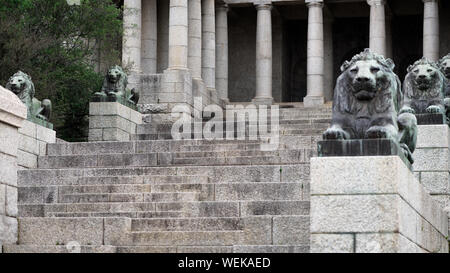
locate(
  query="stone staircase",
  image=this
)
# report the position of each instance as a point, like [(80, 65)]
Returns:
[(155, 194)]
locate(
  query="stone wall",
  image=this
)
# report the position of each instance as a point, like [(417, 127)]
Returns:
[(33, 140), (112, 121), (12, 113), (372, 204), (432, 162)]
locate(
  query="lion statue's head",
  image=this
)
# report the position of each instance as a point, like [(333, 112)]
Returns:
[(368, 78), (424, 81), (116, 80), (21, 85), (444, 64)]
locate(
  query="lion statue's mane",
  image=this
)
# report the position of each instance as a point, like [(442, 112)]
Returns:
[(367, 99)]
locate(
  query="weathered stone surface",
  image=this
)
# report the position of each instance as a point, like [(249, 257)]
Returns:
[(385, 243), (386, 199), (291, 230), (436, 182), (433, 136), (11, 201), (8, 230), (433, 159), (53, 231), (332, 243)]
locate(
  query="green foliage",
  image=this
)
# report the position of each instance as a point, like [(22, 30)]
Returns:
[(59, 46)]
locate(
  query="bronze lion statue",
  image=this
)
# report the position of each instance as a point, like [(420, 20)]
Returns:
[(22, 85), (423, 88), (115, 87), (367, 99)]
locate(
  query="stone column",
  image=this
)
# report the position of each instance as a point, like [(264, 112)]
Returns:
[(209, 47), (315, 55), (222, 52), (163, 35), (264, 55), (12, 114), (195, 38), (131, 52), (377, 42), (149, 37), (431, 30), (178, 35)]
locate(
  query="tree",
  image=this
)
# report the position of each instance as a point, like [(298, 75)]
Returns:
[(59, 45)]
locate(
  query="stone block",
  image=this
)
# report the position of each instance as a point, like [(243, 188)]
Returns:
[(28, 128), (359, 213), (332, 243), (3, 199), (431, 159), (270, 249), (436, 182), (11, 201), (379, 196), (8, 171), (95, 135), (27, 160), (53, 231), (8, 230), (28, 144), (46, 135), (115, 134), (433, 136), (385, 243), (291, 230), (8, 139)]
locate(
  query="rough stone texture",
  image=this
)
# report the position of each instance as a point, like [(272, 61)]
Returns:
[(112, 121), (380, 195), (12, 114), (33, 140)]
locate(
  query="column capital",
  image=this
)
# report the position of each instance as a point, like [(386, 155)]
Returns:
[(376, 2), (222, 7), (263, 5), (426, 1), (314, 3)]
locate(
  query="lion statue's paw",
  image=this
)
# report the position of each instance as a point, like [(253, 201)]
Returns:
[(378, 132), (407, 109), (335, 133), (434, 109)]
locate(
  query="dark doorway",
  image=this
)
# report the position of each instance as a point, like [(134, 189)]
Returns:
[(295, 60), (406, 42), (351, 36)]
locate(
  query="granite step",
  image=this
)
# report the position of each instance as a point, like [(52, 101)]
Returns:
[(156, 249), (187, 224), (42, 180), (214, 174), (180, 209), (128, 197), (167, 159), (195, 209)]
